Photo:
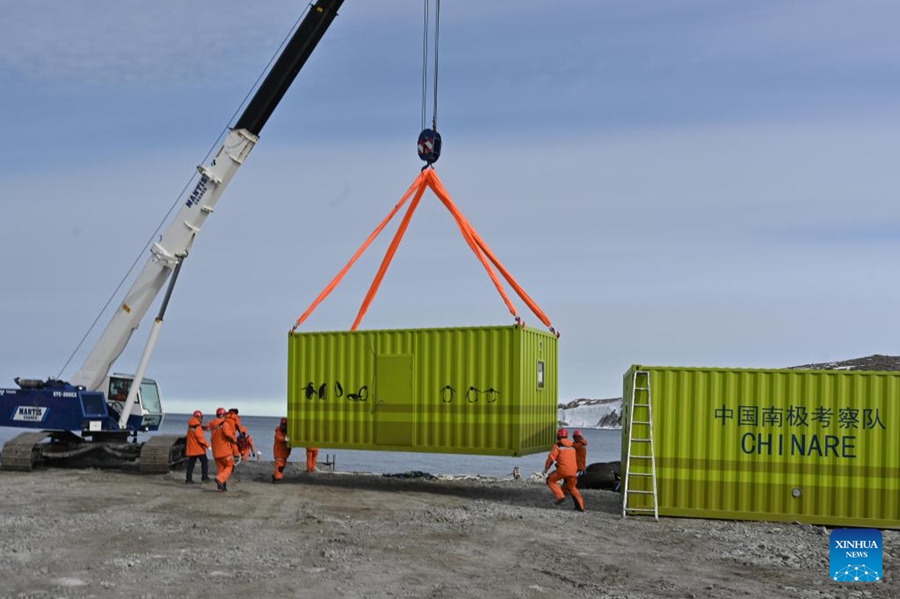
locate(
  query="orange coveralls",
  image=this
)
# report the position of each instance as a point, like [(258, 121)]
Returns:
[(563, 453), (196, 440), (196, 450), (281, 452), (224, 447), (580, 444), (312, 456)]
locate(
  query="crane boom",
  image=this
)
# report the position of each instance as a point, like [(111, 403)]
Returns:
[(176, 241)]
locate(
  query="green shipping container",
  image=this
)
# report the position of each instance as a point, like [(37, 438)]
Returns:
[(479, 390), (821, 447)]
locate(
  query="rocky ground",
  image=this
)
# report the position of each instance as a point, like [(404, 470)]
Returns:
[(93, 533)]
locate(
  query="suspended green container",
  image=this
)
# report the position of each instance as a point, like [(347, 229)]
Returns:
[(478, 390), (814, 446)]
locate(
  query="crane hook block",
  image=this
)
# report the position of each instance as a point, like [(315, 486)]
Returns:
[(429, 145)]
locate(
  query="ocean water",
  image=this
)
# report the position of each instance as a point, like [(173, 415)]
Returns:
[(604, 445)]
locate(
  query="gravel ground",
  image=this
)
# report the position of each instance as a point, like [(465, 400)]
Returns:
[(92, 533)]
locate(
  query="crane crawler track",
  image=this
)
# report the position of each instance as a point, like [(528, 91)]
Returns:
[(161, 453), (28, 450), (23, 452)]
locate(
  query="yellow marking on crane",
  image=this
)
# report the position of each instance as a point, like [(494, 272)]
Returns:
[(127, 308)]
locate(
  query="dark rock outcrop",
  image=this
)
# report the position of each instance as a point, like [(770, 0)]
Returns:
[(611, 420)]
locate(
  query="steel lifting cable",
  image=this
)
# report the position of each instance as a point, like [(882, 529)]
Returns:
[(429, 143), (437, 38), (425, 63)]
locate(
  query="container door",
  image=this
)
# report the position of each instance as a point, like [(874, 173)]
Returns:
[(394, 415)]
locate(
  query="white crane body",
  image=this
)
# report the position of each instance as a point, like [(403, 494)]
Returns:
[(172, 247)]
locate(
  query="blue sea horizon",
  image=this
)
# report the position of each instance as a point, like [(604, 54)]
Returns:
[(604, 445)]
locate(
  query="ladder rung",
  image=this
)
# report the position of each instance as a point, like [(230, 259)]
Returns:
[(637, 403)]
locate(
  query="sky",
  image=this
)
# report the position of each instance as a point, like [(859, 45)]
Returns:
[(684, 183)]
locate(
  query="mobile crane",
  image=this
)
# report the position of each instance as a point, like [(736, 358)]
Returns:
[(95, 417)]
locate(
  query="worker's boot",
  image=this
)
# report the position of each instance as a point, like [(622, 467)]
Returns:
[(560, 501), (220, 487)]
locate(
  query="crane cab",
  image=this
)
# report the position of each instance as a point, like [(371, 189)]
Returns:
[(146, 414)]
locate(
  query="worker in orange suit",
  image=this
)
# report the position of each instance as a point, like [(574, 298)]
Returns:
[(580, 444), (281, 450), (224, 447), (196, 449), (312, 457), (245, 443), (563, 454)]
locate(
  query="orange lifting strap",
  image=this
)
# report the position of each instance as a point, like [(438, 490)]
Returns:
[(428, 178)]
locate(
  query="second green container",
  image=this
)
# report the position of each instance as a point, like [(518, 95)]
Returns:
[(812, 446), (475, 390)]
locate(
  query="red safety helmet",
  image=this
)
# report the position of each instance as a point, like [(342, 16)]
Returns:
[(220, 412), (577, 433), (562, 433), (197, 414)]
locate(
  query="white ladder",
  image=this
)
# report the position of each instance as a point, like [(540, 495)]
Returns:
[(640, 449)]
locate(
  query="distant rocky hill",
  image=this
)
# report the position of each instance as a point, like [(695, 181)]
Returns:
[(607, 413), (875, 362), (591, 413)]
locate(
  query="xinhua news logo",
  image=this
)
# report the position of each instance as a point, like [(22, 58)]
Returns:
[(856, 555)]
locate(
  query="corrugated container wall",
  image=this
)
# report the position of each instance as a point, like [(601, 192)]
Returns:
[(479, 390), (820, 447)]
